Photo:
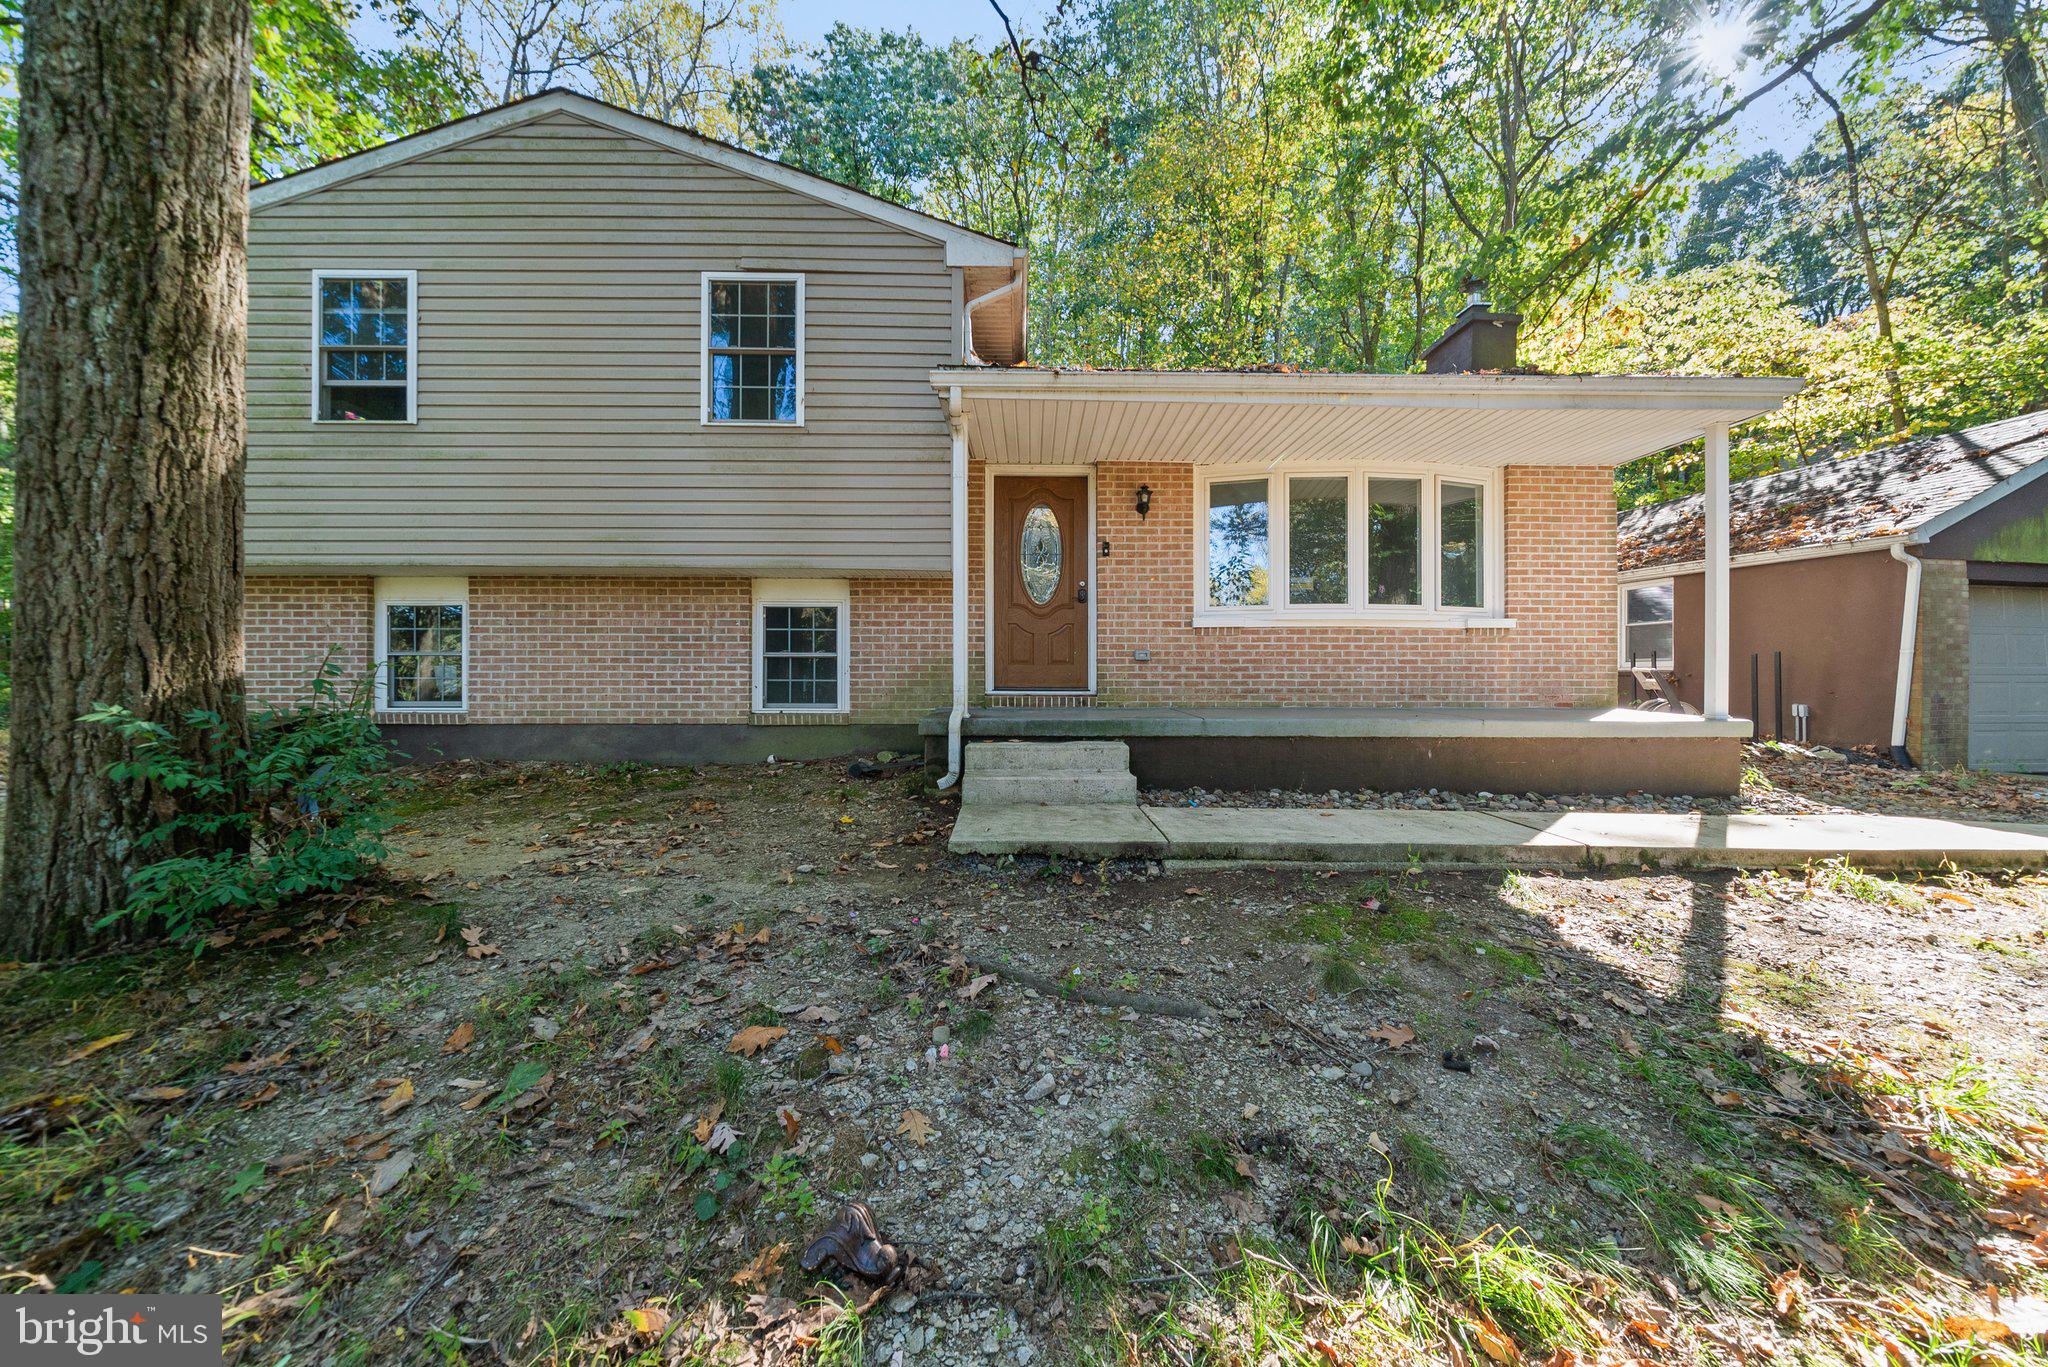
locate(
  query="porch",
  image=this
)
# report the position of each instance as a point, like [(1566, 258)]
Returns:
[(1317, 749), (1427, 561)]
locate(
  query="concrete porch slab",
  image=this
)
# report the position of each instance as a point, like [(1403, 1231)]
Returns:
[(1396, 839), (1317, 835), (1772, 841), (1097, 831)]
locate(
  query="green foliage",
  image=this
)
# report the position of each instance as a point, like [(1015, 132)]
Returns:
[(296, 806)]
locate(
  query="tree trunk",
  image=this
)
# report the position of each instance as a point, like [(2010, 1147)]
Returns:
[(2023, 83), (134, 217), (1866, 252)]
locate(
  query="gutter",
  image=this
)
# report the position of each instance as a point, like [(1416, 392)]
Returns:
[(967, 322), (956, 421), (1909, 631)]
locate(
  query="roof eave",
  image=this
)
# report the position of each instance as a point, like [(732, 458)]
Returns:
[(1741, 398)]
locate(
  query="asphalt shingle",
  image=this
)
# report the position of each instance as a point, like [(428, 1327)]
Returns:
[(1880, 493)]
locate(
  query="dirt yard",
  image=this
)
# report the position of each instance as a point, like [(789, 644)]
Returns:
[(610, 1048)]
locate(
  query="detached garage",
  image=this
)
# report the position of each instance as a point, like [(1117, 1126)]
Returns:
[(1901, 596)]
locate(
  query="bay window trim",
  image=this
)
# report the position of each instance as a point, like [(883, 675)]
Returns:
[(418, 593), (710, 278), (802, 593), (1279, 477), (318, 372)]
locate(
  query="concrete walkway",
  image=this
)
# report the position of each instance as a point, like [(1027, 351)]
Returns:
[(1396, 839)]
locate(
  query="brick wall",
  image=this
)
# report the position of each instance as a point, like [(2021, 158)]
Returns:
[(1559, 545), (1938, 712), (584, 648)]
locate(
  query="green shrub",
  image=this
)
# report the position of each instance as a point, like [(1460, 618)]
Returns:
[(299, 807)]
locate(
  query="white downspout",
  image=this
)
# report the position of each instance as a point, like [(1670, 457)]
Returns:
[(1909, 631), (956, 421)]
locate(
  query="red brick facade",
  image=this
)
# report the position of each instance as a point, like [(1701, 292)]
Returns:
[(592, 649), (595, 649), (1559, 553)]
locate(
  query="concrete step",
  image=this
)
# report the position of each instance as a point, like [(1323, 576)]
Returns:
[(1048, 757), (1048, 790)]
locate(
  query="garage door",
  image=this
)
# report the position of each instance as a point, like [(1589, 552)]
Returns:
[(2009, 678)]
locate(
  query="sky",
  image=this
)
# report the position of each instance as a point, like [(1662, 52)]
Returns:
[(939, 20)]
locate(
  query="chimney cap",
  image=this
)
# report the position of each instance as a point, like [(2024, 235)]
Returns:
[(1474, 286)]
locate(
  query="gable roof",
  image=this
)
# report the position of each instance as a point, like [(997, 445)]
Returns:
[(964, 246), (1913, 488)]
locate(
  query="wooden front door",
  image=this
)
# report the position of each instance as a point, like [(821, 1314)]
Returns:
[(1039, 585)]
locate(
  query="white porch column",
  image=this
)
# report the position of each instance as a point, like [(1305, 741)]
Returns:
[(1714, 666), (956, 422)]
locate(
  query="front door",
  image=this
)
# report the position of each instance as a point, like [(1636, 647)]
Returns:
[(1038, 589)]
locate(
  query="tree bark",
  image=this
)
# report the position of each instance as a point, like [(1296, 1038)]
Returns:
[(134, 217), (2023, 83)]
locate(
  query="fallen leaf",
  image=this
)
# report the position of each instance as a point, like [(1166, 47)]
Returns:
[(790, 1122), (649, 1321), (975, 987), (474, 944), (250, 1103), (464, 1035), (397, 1099), (760, 1271), (709, 1122), (388, 1174), (103, 1042), (918, 1126), (156, 1093), (721, 1138), (1393, 1036), (1493, 1342), (754, 1039)]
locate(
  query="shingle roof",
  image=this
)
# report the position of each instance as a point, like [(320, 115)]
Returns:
[(1880, 493)]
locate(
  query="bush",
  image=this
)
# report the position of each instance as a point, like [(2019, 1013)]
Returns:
[(301, 807)]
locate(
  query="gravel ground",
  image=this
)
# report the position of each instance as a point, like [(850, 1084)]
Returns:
[(1777, 779)]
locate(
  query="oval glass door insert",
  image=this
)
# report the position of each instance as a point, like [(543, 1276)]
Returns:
[(1038, 551)]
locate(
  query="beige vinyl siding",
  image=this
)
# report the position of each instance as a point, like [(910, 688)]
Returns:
[(559, 272)]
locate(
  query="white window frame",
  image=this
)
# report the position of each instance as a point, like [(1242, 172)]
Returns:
[(1621, 622), (420, 593), (412, 343), (711, 278), (802, 593), (1427, 613)]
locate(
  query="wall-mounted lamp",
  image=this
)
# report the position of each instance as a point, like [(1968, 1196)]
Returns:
[(1144, 500)]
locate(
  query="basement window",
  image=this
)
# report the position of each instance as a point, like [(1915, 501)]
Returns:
[(800, 653), (422, 645), (1648, 613), (363, 334)]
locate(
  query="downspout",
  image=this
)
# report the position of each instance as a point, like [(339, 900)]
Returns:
[(956, 421), (967, 315), (1909, 631)]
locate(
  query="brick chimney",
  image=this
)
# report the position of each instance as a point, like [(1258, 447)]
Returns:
[(1478, 338)]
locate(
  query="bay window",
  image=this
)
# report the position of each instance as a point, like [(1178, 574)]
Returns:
[(1333, 543)]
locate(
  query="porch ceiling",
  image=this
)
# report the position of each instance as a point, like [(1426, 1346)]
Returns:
[(1054, 417)]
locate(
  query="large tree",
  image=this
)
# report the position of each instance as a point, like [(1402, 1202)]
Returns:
[(135, 157)]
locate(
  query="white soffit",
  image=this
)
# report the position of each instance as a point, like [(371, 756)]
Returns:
[(1224, 418)]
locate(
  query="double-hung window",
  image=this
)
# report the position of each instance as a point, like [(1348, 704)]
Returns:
[(363, 341), (1648, 614), (800, 630), (753, 362), (1337, 543), (422, 645)]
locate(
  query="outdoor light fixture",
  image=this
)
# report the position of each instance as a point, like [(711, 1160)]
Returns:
[(1144, 500)]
